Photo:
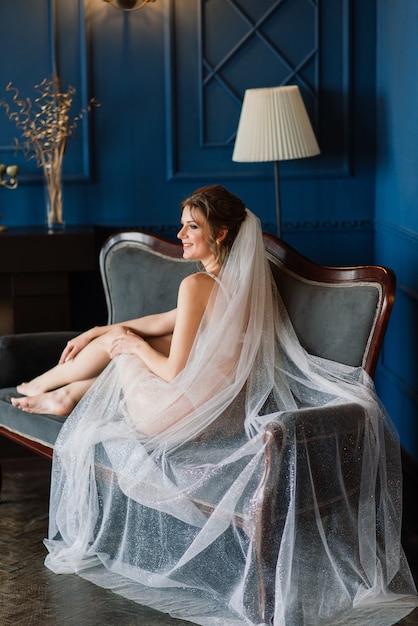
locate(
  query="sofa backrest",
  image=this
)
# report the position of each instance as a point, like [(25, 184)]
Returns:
[(340, 313), (141, 275)]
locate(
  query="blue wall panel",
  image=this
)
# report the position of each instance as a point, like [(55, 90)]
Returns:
[(167, 118), (397, 206), (39, 39)]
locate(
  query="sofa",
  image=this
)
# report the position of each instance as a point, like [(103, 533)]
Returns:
[(340, 313)]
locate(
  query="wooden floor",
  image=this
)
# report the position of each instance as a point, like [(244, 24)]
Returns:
[(31, 595)]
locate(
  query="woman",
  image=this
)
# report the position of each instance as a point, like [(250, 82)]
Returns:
[(161, 430), (151, 338)]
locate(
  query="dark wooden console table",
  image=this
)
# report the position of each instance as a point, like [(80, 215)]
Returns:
[(35, 270)]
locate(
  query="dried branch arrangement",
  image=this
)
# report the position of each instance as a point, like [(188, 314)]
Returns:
[(45, 125)]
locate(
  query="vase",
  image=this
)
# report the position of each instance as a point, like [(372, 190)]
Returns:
[(53, 197)]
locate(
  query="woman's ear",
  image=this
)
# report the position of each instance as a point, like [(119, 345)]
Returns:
[(222, 233)]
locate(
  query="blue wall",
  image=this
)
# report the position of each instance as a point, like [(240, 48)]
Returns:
[(397, 206), (170, 79), (165, 126)]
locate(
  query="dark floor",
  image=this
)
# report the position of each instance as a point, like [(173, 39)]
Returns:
[(31, 595)]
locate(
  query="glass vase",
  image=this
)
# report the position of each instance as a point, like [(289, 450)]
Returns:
[(53, 197)]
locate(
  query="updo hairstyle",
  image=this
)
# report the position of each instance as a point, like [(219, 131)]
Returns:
[(222, 210)]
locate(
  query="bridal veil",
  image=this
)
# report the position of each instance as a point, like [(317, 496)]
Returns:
[(137, 453)]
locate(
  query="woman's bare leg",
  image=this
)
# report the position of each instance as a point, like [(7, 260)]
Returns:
[(57, 402), (87, 364)]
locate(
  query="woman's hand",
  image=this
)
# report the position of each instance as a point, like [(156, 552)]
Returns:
[(74, 346), (126, 342)]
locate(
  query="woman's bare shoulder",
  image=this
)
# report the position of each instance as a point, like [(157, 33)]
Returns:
[(198, 285), (198, 280)]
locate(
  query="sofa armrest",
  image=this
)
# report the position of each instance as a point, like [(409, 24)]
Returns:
[(321, 439), (27, 355)]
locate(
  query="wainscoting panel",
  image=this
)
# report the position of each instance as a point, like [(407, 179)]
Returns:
[(397, 378), (241, 44), (43, 37)]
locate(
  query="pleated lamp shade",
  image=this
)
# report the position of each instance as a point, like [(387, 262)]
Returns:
[(274, 126)]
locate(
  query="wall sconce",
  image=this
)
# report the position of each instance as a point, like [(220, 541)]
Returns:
[(8, 180), (11, 171), (128, 5), (274, 126)]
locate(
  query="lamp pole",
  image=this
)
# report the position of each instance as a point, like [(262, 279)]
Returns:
[(277, 192)]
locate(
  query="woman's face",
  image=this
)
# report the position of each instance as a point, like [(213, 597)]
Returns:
[(195, 237)]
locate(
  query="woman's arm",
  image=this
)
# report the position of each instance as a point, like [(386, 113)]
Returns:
[(157, 325), (193, 296)]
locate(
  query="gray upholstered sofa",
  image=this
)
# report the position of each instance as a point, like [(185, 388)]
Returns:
[(338, 313), (141, 275)]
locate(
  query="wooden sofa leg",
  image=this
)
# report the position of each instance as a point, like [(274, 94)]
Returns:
[(267, 531)]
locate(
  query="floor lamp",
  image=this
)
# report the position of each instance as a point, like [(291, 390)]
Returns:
[(274, 126)]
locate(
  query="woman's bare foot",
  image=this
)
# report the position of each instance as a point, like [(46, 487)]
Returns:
[(57, 402), (32, 388)]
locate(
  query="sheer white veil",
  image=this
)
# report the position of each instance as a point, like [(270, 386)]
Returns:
[(246, 351), (138, 453)]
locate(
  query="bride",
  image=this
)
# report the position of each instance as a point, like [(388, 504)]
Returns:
[(169, 410)]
